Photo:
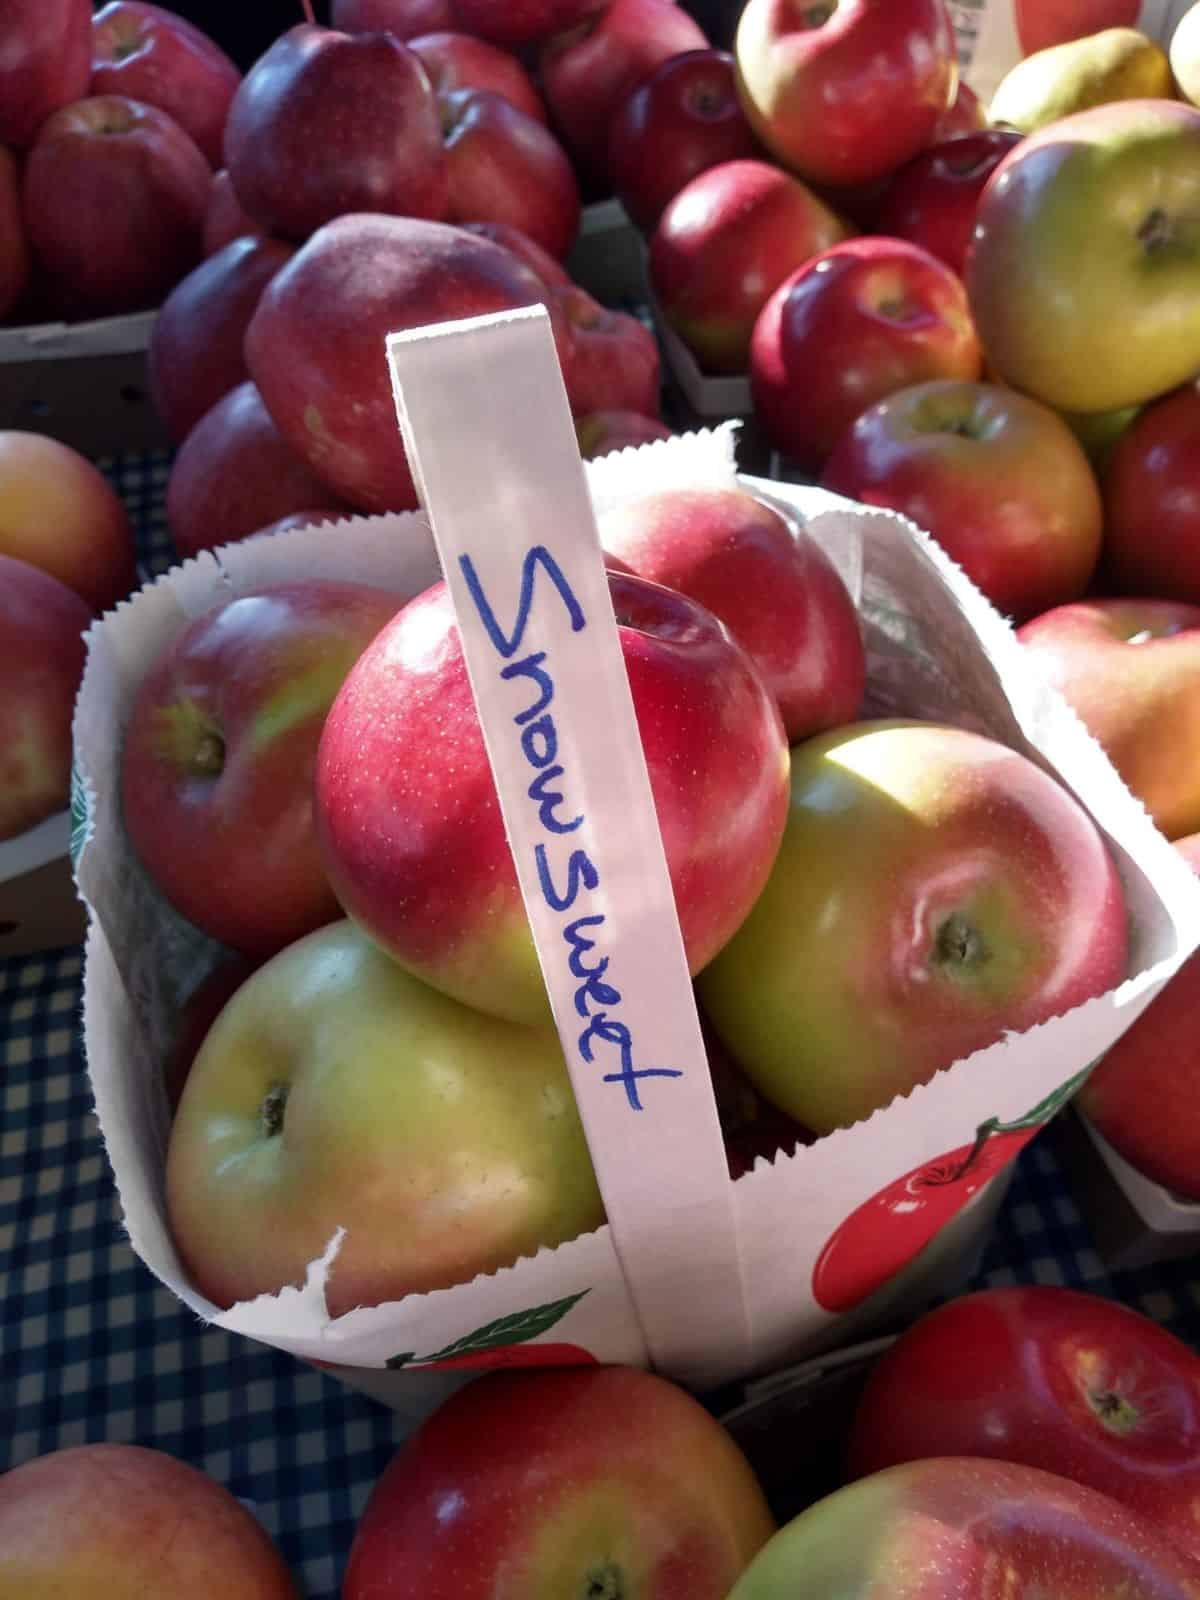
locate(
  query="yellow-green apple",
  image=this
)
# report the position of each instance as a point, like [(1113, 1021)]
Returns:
[(998, 479), (1041, 24), (234, 473), (224, 219), (610, 359), (195, 354), (504, 166), (1184, 54), (844, 91), (545, 266), (127, 1522), (1144, 1096), (114, 194), (1131, 669), (602, 1482), (461, 61), (42, 623), (45, 59), (521, 22), (962, 1528), (15, 258), (1152, 501), (934, 890), (1116, 64), (965, 115), (768, 581), (315, 345), (601, 432), (722, 247), (327, 123), (847, 329), (1082, 271), (588, 71), (405, 18), (933, 199), (336, 1090), (681, 119), (411, 827), (149, 54), (1072, 1383), (60, 513), (216, 769)]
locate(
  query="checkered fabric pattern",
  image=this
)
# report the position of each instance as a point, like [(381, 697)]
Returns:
[(91, 1348)]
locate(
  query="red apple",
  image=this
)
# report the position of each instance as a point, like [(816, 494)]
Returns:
[(934, 890), (234, 474), (588, 72), (768, 582), (849, 328), (459, 61), (224, 219), (1152, 501), (119, 1519), (411, 826), (216, 769), (42, 623), (114, 196), (550, 270), (601, 432), (405, 18), (596, 1482), (15, 259), (998, 479), (521, 22), (1073, 1383), (932, 201), (680, 120), (505, 167), (1041, 24), (146, 53), (195, 354), (611, 361), (327, 123), (845, 90), (60, 513), (45, 59), (967, 114), (723, 246), (315, 346), (1144, 1096)]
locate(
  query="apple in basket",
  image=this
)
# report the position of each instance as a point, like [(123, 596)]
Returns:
[(460, 61), (45, 59)]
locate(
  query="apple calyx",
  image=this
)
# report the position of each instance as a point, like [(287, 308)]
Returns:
[(1113, 1410), (1157, 233), (816, 16), (270, 1112), (187, 739), (958, 944), (709, 102), (604, 1583)]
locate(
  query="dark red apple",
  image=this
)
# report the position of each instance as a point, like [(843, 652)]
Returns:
[(15, 259), (45, 60), (327, 123), (195, 354), (967, 114), (550, 270), (681, 119), (224, 219), (601, 432), (506, 167), (459, 61), (196, 1016), (1152, 501), (932, 201), (114, 196), (405, 18), (234, 474), (611, 360), (520, 22)]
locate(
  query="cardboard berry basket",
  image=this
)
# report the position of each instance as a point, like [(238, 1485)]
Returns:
[(39, 907), (702, 1278)]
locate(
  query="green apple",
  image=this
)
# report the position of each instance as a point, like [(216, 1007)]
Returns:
[(1084, 272)]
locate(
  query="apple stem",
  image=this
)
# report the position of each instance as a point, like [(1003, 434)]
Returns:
[(306, 7)]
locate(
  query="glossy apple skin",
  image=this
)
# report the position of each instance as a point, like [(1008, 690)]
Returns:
[(224, 219), (548, 268), (42, 623), (122, 1520), (723, 246), (411, 827), (771, 585), (315, 345), (216, 771), (15, 259), (999, 480), (235, 473), (1041, 24), (1144, 1096), (588, 72), (934, 889), (364, 103), (195, 354), (1185, 55), (107, 158), (45, 60), (433, 1187), (458, 61), (508, 167), (967, 114), (149, 54), (1152, 501), (610, 358), (932, 201), (680, 120), (847, 329), (1096, 217), (520, 22), (604, 1481), (1131, 669), (845, 93), (601, 432), (1073, 1383), (60, 513), (405, 18), (960, 1528)]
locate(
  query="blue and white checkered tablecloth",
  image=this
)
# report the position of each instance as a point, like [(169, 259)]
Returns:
[(92, 1348)]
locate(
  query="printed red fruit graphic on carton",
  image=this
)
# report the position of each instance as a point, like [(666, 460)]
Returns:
[(504, 1343)]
